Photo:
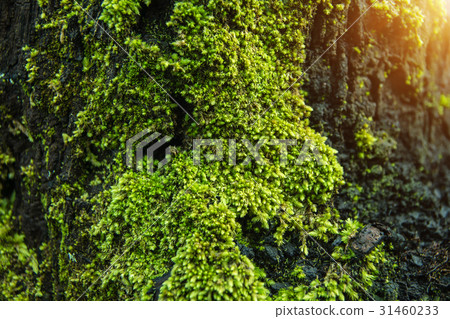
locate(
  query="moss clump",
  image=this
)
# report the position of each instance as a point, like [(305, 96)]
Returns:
[(119, 15), (228, 62), (339, 283), (406, 19)]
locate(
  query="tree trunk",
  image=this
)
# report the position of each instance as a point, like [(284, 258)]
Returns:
[(379, 88)]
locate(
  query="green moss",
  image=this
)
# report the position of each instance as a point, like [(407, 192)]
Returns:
[(121, 14), (18, 264), (444, 102), (30, 176), (338, 284), (406, 17), (229, 61), (6, 167)]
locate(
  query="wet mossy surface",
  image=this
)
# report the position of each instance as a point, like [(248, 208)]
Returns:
[(377, 112)]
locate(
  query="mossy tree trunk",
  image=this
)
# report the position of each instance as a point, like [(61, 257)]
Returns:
[(380, 96)]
